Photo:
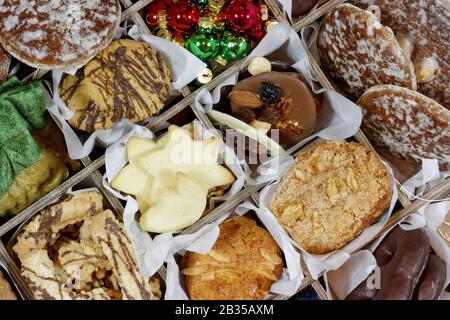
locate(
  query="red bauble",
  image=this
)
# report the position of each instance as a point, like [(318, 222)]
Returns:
[(151, 12), (182, 16), (257, 32), (242, 15)]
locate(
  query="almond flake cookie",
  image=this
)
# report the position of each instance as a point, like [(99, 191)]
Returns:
[(334, 191), (358, 52)]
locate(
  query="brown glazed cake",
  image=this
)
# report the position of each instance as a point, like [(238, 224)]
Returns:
[(243, 264), (407, 124), (127, 80), (76, 250), (57, 34), (425, 27), (334, 191), (358, 52)]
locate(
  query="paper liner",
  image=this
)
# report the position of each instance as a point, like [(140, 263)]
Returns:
[(151, 252), (184, 67), (318, 263)]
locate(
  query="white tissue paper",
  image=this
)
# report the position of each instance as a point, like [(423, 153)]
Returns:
[(152, 253), (319, 263), (339, 117), (425, 180), (361, 263), (176, 57)]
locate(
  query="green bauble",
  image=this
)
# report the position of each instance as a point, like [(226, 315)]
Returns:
[(203, 46), (233, 48)]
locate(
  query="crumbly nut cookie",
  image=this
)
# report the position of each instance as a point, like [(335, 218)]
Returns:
[(243, 264), (359, 52), (334, 191), (75, 250), (127, 80), (6, 292), (57, 34), (407, 124), (425, 27)]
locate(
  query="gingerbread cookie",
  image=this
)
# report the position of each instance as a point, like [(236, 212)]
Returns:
[(358, 52), (57, 34), (243, 264), (407, 124), (5, 61), (424, 27), (331, 195), (127, 80)]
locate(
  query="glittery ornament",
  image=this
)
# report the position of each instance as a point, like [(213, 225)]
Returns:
[(257, 32), (199, 3), (182, 17), (216, 5), (232, 48), (211, 21), (242, 15), (151, 12), (203, 46)]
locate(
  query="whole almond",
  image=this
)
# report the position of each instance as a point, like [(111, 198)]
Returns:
[(245, 99)]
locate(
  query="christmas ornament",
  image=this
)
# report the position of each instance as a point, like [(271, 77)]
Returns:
[(199, 3), (216, 5), (232, 48), (182, 17), (151, 12), (203, 46), (242, 15), (211, 21)]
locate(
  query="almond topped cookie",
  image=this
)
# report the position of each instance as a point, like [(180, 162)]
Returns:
[(358, 52), (334, 191), (57, 34), (243, 264)]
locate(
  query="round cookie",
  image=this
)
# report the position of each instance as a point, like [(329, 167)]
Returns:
[(407, 124), (281, 100), (53, 35), (127, 80), (331, 195), (426, 26), (358, 52), (243, 264), (5, 61)]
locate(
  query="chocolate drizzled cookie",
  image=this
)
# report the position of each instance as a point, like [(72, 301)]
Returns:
[(127, 80)]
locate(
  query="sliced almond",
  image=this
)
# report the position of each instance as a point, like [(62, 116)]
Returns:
[(207, 276), (351, 180), (245, 98), (426, 70), (218, 256), (268, 275), (332, 189), (270, 256), (261, 126), (291, 213), (228, 273), (194, 271)]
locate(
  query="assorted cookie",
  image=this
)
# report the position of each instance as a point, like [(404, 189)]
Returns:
[(407, 124), (127, 80), (53, 35), (423, 28), (6, 292), (358, 52), (172, 178), (409, 269), (77, 250), (243, 264), (331, 195)]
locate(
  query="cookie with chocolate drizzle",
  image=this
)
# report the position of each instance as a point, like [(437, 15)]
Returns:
[(128, 80), (76, 250)]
